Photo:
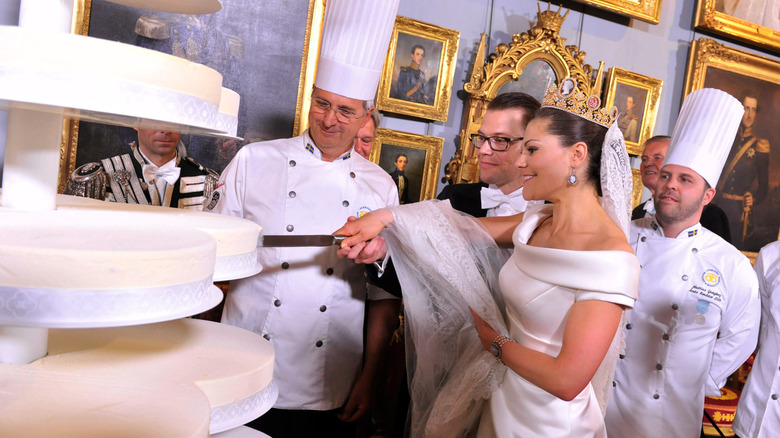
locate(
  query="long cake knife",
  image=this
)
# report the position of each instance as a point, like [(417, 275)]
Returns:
[(298, 240)]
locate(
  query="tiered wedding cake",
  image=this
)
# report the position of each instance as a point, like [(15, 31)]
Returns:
[(91, 293)]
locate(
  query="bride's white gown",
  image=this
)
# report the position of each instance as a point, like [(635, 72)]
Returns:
[(539, 286)]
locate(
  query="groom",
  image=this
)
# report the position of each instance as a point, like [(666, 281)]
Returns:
[(500, 192)]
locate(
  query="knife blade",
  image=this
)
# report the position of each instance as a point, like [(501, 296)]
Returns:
[(299, 240), (292, 240)]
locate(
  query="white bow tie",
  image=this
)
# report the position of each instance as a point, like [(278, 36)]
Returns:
[(169, 174), (493, 198)]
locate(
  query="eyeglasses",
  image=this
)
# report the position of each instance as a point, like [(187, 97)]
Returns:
[(498, 144), (343, 115)]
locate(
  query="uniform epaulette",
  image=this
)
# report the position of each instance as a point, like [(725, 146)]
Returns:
[(195, 163)]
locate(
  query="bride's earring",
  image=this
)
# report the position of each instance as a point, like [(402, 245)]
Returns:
[(572, 178)]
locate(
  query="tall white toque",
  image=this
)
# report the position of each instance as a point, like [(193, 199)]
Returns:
[(704, 132), (355, 39)]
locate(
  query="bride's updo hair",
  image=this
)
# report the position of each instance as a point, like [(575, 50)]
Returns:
[(570, 129)]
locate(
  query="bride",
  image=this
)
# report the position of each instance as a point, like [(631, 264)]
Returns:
[(544, 348)]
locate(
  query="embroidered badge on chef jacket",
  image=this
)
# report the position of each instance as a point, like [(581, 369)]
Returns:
[(711, 277), (346, 157), (692, 233), (213, 202), (362, 211), (310, 148)]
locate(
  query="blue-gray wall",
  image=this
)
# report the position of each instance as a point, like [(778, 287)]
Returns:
[(656, 50)]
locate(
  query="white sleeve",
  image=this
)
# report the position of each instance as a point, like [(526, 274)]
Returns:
[(739, 327)]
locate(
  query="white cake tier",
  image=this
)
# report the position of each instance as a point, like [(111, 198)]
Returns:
[(69, 268), (236, 238), (89, 79), (157, 364)]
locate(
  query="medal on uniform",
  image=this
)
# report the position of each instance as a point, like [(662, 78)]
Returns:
[(702, 307)]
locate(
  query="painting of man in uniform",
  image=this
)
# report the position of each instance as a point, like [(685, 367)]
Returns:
[(416, 69), (749, 186), (630, 102), (237, 41), (411, 170)]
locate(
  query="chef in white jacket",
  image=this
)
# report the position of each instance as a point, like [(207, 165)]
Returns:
[(758, 412), (307, 301), (696, 319)]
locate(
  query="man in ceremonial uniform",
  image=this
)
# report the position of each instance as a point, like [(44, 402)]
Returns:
[(499, 142), (307, 301), (411, 80), (653, 154), (745, 180), (629, 122), (157, 171), (696, 319)]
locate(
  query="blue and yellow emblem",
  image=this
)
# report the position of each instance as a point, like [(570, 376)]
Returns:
[(711, 277), (362, 211), (692, 233)]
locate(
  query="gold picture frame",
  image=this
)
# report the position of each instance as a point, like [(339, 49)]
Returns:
[(636, 97), (84, 14), (755, 81), (645, 10), (636, 190), (420, 88), (710, 18), (423, 154)]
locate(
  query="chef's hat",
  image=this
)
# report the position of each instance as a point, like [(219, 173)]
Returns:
[(355, 39), (704, 132)]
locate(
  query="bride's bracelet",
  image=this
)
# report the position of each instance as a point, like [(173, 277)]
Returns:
[(495, 347)]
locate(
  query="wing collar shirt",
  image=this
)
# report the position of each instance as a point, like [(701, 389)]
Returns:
[(497, 203), (695, 322), (308, 302)]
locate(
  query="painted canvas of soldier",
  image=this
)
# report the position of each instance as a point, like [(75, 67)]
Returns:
[(416, 69), (745, 179)]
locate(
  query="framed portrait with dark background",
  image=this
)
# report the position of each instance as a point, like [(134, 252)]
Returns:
[(419, 68), (412, 160), (636, 97), (261, 51), (749, 186)]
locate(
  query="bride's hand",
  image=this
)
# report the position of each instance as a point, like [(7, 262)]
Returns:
[(485, 332), (363, 230)]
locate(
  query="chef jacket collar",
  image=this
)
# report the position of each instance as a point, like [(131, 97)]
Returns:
[(314, 150), (693, 230)]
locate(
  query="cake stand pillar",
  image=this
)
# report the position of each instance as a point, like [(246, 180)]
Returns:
[(22, 345), (32, 160)]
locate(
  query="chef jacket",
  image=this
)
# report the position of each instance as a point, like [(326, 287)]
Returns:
[(695, 322), (307, 301), (758, 412)]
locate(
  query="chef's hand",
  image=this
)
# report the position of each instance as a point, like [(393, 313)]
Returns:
[(362, 246)]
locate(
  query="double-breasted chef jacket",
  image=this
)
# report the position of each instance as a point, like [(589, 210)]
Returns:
[(695, 322), (308, 302), (758, 412)]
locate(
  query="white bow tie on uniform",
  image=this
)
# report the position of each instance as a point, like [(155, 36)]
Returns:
[(169, 174), (493, 198)]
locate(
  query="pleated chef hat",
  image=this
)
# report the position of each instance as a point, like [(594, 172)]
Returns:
[(355, 38), (704, 132)]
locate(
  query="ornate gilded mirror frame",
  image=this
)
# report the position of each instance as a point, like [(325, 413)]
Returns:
[(541, 43)]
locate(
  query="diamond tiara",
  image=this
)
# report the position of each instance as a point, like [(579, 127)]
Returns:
[(569, 98)]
